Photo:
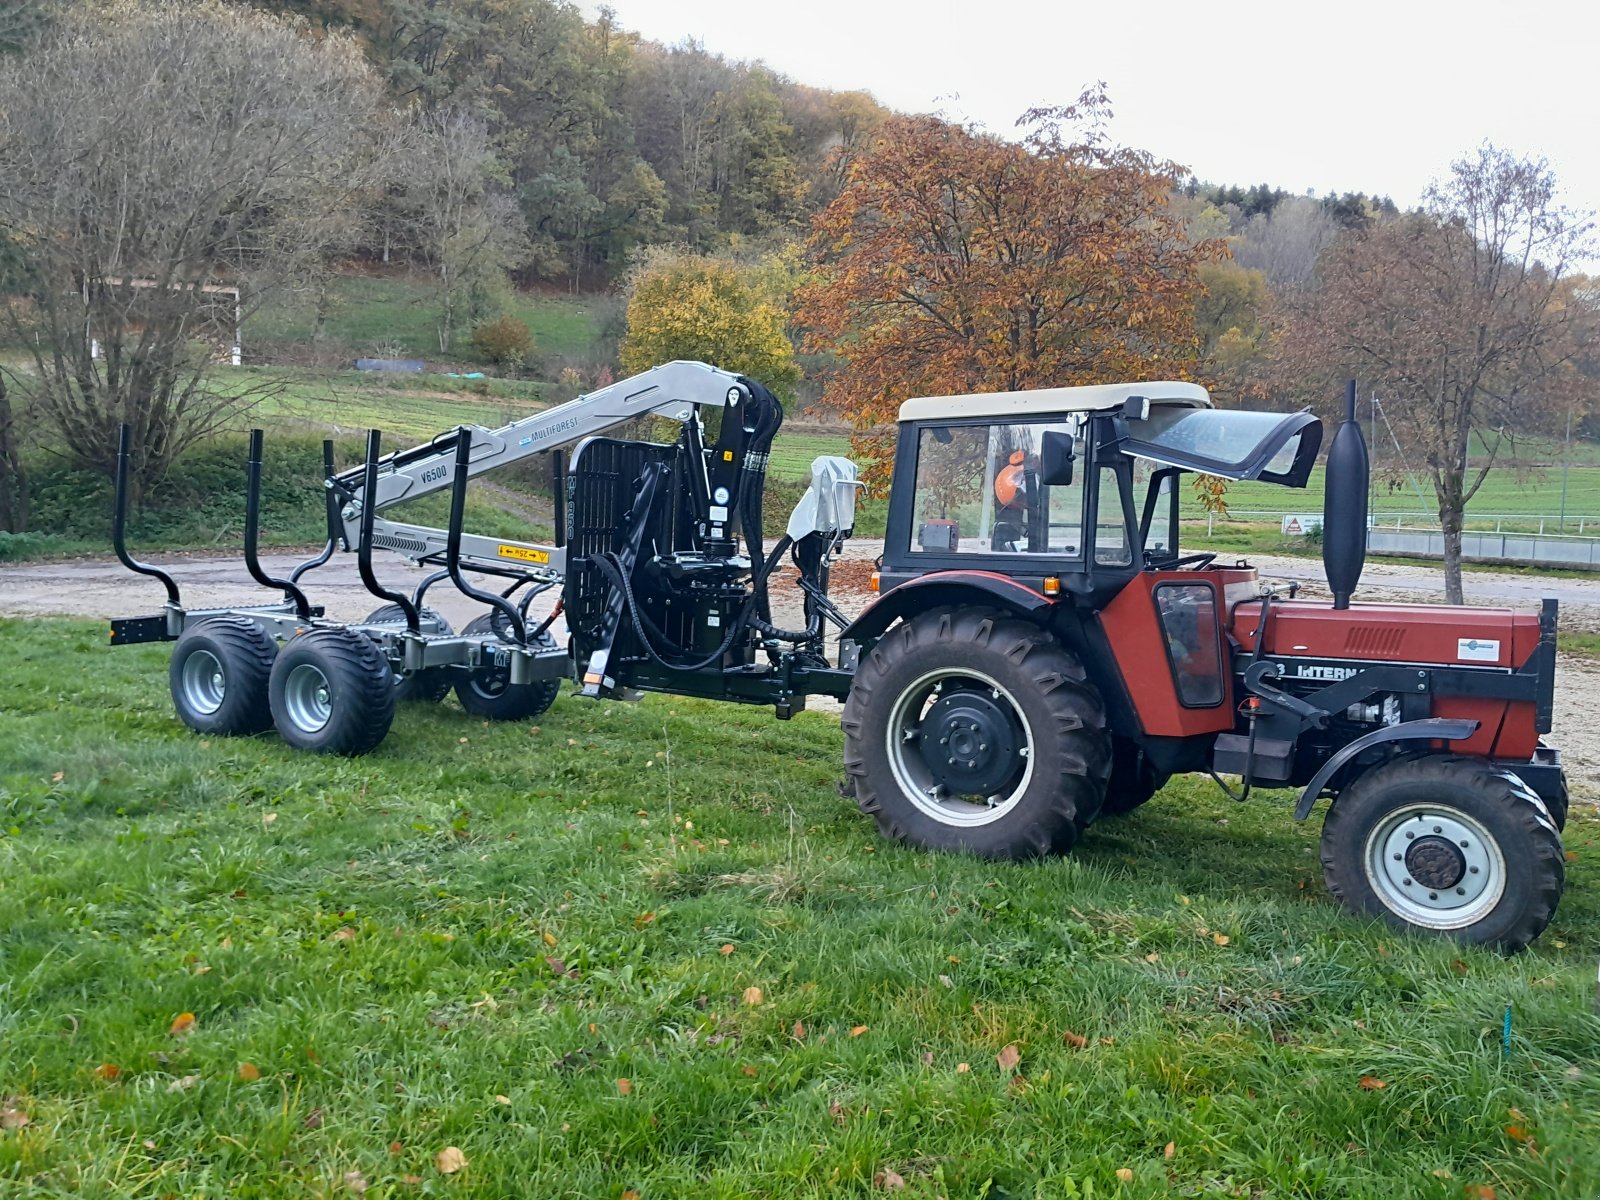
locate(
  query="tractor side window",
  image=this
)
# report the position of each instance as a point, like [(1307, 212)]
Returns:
[(978, 491), (1111, 545), (1188, 613)]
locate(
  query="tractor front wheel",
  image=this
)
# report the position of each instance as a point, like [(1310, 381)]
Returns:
[(971, 730), (1133, 779), (1446, 845)]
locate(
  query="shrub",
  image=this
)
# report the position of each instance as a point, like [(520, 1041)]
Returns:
[(506, 341)]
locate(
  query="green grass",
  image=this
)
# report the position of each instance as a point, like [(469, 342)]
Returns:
[(535, 913), (374, 313)]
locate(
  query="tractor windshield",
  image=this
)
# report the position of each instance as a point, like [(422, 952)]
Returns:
[(1275, 447)]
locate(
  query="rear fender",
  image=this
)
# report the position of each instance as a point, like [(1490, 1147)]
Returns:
[(1430, 729), (948, 589)]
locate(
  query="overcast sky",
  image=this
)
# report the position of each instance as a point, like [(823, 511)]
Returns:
[(1348, 97)]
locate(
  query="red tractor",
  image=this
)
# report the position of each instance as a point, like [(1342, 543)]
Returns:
[(1044, 654)]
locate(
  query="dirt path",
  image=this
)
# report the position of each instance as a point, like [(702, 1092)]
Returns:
[(102, 589)]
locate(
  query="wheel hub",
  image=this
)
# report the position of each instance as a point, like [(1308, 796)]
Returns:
[(970, 744), (1435, 863)]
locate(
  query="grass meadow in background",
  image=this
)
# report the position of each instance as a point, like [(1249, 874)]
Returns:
[(648, 951)]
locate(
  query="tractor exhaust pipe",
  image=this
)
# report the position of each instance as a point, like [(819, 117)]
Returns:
[(1344, 506)]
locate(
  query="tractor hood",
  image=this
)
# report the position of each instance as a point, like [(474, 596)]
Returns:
[(1273, 447)]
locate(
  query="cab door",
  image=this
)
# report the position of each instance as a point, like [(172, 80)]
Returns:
[(1165, 633)]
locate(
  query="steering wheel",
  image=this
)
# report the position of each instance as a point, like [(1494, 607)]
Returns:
[(1198, 561)]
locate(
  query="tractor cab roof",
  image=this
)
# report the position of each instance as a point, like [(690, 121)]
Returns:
[(1048, 401)]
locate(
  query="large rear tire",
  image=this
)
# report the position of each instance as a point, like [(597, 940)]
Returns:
[(976, 731), (332, 693), (219, 677), (1446, 845), (424, 687), (489, 692), (1133, 780)]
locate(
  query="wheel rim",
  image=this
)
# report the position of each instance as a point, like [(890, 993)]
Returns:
[(307, 698), (1435, 866), (491, 685), (978, 728), (204, 683)]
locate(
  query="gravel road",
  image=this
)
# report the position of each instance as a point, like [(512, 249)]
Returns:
[(103, 589)]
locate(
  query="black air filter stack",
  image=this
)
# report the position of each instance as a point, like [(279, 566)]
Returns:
[(1344, 506)]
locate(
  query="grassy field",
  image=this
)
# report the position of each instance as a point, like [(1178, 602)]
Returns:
[(646, 950), (397, 313)]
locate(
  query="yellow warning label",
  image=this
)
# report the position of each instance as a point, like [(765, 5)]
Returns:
[(727, 456), (523, 554)]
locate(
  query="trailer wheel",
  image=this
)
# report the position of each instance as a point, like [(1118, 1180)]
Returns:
[(424, 687), (332, 692), (972, 730), (1446, 845), (219, 676), (1133, 779), (489, 692)]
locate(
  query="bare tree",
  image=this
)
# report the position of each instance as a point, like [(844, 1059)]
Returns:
[(21, 21), (1284, 244), (1464, 317), (466, 226), (158, 161)]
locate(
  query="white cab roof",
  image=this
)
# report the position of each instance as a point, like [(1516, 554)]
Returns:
[(1094, 398)]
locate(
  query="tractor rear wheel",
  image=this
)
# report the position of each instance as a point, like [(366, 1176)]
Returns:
[(489, 693), (427, 686), (972, 730), (1133, 779), (332, 692), (219, 676), (1446, 845)]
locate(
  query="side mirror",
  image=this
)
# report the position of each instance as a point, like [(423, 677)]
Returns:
[(1055, 459)]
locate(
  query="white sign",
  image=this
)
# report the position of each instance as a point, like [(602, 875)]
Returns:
[(1299, 524), (1477, 650)]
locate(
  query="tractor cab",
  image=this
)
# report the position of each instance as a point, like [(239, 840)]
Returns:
[(1070, 491)]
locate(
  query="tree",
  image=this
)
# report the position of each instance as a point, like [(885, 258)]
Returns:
[(712, 309), (150, 153), (1462, 317), (953, 261), (467, 229)]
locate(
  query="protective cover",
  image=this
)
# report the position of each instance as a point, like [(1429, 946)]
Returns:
[(829, 504)]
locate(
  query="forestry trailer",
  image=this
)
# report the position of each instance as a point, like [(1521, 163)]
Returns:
[(1041, 652)]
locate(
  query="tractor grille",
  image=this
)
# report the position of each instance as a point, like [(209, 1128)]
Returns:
[(1374, 641)]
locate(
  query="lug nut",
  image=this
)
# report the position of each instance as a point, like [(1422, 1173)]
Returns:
[(1474, 870), (1433, 895), (1408, 883)]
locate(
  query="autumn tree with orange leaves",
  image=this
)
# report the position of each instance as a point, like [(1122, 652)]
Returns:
[(954, 261)]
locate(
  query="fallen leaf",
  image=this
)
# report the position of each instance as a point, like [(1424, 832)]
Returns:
[(1125, 1174), (752, 996), (502, 1099), (557, 965), (1518, 1133), (1008, 1058), (749, 1071), (624, 1087), (953, 958), (184, 1084), (13, 1118), (1152, 957), (1372, 1083), (449, 1160), (201, 969), (927, 1058), (1443, 1173), (149, 1145), (799, 1032), (549, 938), (356, 1182), (888, 1180), (267, 818), (643, 919), (727, 948), (1479, 1191), (182, 1025), (313, 1119), (344, 935), (58, 777), (249, 1072), (858, 1030), (1459, 967), (1170, 1149), (108, 1071), (1558, 943), (396, 1149), (1220, 939), (947, 981), (963, 1068), (630, 1194), (411, 1180), (1572, 856)]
